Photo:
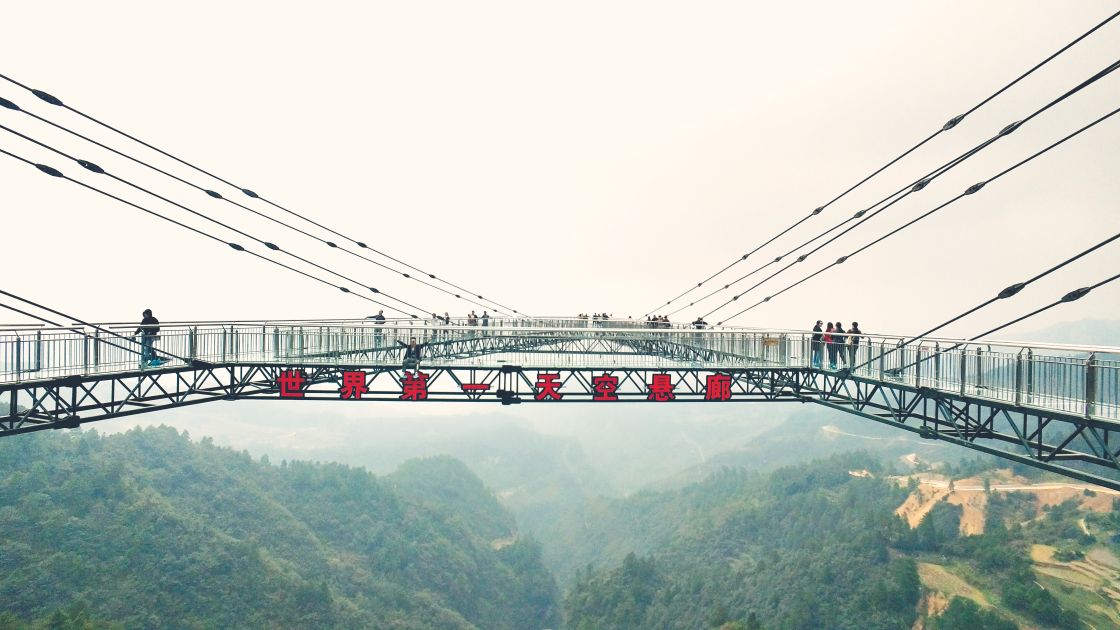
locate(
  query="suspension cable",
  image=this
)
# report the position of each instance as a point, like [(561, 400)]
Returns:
[(53, 172), (922, 183), (1071, 296), (94, 168), (952, 123), (1008, 292), (969, 191), (52, 100), (13, 106)]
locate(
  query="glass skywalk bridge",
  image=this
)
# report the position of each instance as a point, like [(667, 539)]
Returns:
[(1052, 406)]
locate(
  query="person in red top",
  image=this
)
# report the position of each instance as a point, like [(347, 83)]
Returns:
[(831, 345)]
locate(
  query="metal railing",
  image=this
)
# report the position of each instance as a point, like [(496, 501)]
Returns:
[(1079, 380)]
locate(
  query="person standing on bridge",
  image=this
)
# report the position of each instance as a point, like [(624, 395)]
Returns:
[(378, 320), (853, 343), (816, 347), (840, 338), (148, 330), (412, 352), (830, 346)]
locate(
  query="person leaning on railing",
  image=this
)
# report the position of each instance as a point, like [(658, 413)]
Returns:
[(378, 320)]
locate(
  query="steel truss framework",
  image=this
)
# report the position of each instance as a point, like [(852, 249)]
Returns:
[(568, 342), (1073, 445)]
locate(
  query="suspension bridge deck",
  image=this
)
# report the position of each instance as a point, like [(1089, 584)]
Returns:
[(1052, 406)]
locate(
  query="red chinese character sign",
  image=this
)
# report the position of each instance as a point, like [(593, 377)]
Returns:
[(605, 387), (661, 388), (548, 387), (718, 387), (291, 383), (414, 386), (353, 385)]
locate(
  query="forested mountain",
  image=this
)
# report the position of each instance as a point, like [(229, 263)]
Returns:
[(148, 529), (805, 547), (822, 545)]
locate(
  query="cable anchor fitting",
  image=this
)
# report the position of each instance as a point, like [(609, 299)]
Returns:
[(49, 170), (90, 166), (46, 97), (1011, 290), (1076, 294), (975, 188), (953, 122)]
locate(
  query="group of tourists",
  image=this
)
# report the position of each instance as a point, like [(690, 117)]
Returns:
[(840, 344), (657, 321)]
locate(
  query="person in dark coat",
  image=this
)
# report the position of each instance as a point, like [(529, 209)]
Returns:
[(148, 331), (817, 346), (853, 343), (412, 352), (839, 337), (378, 320)]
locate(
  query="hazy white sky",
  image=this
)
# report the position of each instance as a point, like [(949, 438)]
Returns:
[(565, 157)]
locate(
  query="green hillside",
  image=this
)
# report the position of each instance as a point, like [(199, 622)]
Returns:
[(820, 546), (148, 529)]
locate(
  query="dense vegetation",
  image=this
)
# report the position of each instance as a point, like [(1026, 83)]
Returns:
[(148, 529), (813, 546), (805, 547)]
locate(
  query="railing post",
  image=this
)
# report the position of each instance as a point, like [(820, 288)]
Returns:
[(19, 361), (301, 342), (918, 365), (1030, 375), (937, 364), (96, 348), (223, 329), (85, 353), (276, 343), (882, 360), (1019, 379), (979, 369), (264, 341), (964, 368), (1091, 385), (38, 350), (192, 342)]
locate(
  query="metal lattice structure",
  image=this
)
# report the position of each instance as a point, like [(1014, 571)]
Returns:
[(1053, 407)]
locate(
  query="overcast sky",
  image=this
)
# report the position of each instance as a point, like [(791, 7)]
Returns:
[(562, 158)]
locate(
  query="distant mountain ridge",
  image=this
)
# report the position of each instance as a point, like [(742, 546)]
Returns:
[(1089, 332)]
